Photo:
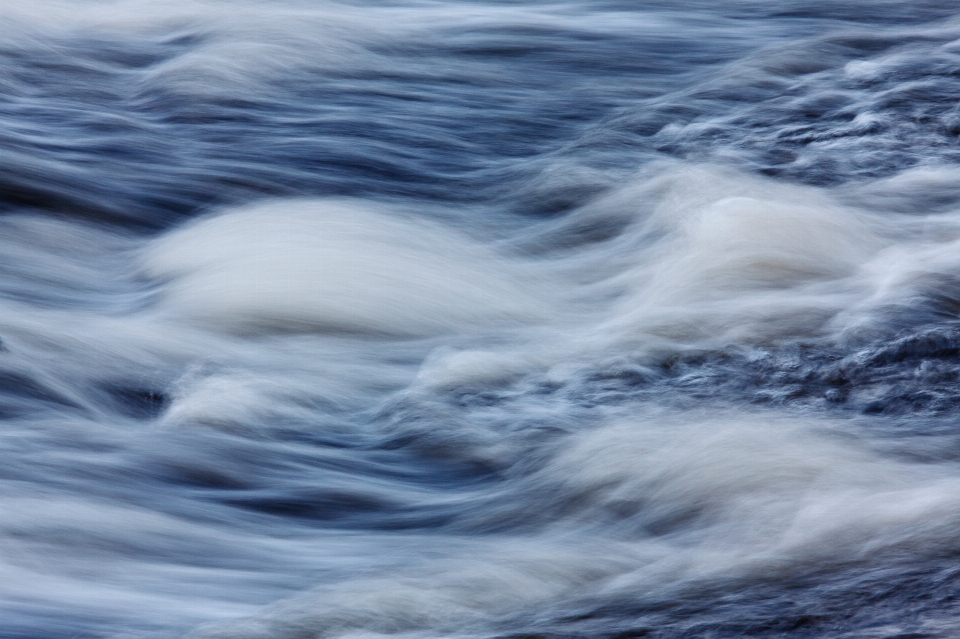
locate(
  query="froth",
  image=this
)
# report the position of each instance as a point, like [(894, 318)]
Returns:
[(724, 257), (646, 503), (320, 265), (762, 485)]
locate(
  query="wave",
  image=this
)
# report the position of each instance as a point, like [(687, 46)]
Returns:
[(478, 320)]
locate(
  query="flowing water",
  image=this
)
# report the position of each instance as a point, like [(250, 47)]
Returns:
[(479, 319)]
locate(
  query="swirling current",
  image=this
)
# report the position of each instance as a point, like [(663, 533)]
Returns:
[(479, 319)]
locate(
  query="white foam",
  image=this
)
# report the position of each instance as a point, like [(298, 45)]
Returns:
[(724, 257), (322, 265), (705, 258), (647, 503), (763, 485)]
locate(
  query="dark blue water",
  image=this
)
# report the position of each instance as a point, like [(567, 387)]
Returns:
[(479, 319)]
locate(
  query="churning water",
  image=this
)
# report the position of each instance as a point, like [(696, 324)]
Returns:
[(479, 319)]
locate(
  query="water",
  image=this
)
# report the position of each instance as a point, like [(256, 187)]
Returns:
[(479, 319)]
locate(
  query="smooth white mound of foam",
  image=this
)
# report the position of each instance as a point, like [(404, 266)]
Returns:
[(715, 256), (336, 265)]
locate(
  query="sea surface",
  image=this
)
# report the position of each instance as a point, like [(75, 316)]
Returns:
[(479, 319)]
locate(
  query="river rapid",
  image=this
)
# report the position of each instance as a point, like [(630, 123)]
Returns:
[(479, 320)]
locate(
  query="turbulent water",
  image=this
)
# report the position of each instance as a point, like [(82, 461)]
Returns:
[(479, 319)]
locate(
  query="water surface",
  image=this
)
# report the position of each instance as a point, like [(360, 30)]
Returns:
[(479, 319)]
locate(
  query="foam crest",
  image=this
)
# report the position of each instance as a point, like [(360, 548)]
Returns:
[(694, 257), (724, 257), (771, 488), (317, 265), (649, 502)]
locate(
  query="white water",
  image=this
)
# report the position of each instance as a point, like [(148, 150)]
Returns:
[(469, 320)]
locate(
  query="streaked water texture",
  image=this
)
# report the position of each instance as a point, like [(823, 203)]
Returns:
[(482, 320)]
